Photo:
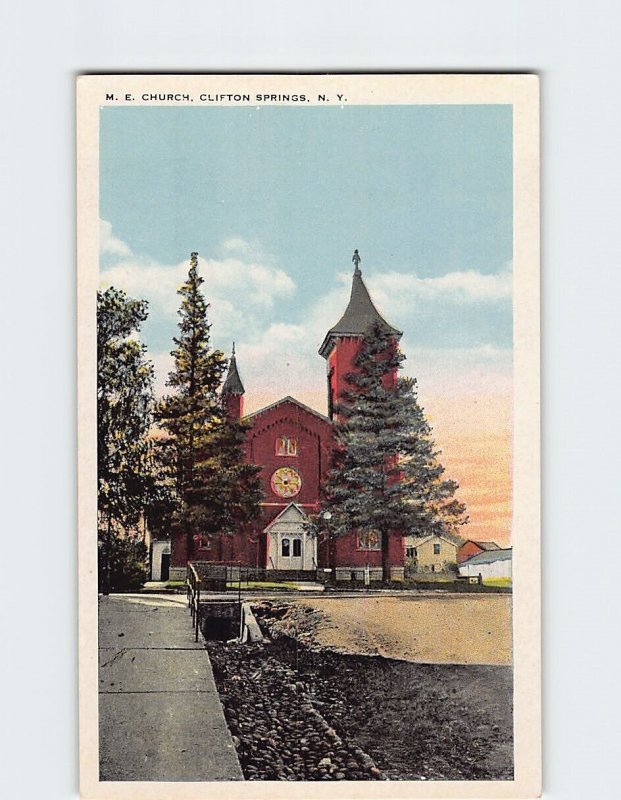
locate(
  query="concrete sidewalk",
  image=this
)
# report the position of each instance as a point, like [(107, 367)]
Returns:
[(160, 717)]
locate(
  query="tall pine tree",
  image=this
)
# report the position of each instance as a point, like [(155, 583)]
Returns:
[(386, 476), (215, 491)]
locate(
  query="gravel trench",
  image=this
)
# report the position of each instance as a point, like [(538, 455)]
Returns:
[(278, 732), (300, 712)]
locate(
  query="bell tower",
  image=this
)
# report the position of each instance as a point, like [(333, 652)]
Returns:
[(342, 342), (233, 390)]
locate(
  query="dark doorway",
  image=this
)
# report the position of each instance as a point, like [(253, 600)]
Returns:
[(165, 567)]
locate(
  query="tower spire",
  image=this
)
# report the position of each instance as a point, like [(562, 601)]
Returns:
[(360, 314)]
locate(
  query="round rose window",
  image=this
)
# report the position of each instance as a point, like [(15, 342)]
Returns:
[(286, 482)]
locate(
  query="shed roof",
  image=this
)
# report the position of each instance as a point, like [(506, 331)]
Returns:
[(486, 545), (489, 556)]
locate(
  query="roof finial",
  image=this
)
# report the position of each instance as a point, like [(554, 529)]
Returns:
[(356, 259), (233, 349)]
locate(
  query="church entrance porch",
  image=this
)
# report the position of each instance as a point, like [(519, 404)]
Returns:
[(291, 544)]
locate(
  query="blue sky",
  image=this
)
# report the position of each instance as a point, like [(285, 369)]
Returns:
[(275, 199)]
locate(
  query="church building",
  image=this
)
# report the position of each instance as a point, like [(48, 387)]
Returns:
[(293, 444)]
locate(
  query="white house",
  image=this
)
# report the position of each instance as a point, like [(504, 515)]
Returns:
[(489, 564), (160, 560)]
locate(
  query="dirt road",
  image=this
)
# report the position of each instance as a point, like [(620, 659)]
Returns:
[(426, 628)]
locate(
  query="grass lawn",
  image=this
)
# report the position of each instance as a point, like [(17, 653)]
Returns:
[(432, 577), (263, 585), (505, 582)]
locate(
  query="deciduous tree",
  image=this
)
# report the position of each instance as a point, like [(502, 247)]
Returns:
[(124, 417)]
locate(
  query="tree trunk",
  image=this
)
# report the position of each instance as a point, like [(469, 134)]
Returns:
[(385, 564)]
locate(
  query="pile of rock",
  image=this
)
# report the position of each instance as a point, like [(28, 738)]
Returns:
[(297, 621), (278, 732)]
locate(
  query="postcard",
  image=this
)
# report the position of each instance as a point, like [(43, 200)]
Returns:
[(308, 318)]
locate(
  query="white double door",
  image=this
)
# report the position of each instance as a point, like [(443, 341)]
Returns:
[(295, 550)]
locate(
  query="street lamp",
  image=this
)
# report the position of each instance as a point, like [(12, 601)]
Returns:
[(326, 516)]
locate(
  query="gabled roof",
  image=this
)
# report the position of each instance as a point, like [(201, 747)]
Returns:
[(360, 315), (423, 539), (289, 399), (286, 513), (489, 556), (232, 383)]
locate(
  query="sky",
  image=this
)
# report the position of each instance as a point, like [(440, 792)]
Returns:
[(275, 199)]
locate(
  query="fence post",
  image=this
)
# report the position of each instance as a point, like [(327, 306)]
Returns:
[(198, 605)]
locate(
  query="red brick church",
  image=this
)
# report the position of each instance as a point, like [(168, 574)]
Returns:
[(292, 443)]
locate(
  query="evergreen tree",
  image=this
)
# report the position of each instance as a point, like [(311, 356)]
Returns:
[(386, 476), (124, 417), (215, 491), (226, 492)]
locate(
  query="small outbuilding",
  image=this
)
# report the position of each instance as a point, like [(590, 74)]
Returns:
[(489, 564), (471, 548), (160, 560)]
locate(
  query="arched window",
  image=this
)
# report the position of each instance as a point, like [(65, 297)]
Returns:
[(370, 540), (297, 548), (285, 548), (286, 446)]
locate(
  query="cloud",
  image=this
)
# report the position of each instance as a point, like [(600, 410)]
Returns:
[(283, 359), (404, 291), (251, 300), (241, 290), (109, 244)]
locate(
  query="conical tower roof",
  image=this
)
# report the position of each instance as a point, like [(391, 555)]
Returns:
[(232, 383), (360, 314)]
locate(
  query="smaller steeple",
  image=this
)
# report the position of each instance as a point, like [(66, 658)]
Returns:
[(233, 390), (232, 383)]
